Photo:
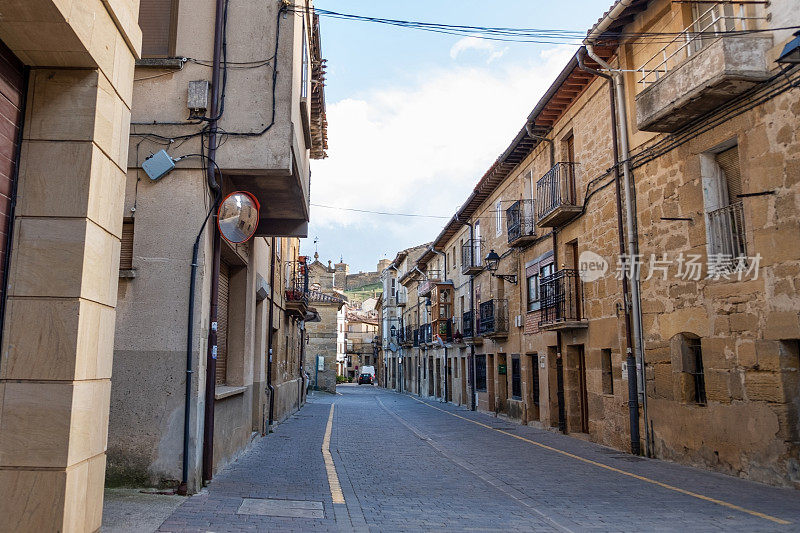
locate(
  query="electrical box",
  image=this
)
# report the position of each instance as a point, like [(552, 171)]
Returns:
[(157, 165), (197, 98)]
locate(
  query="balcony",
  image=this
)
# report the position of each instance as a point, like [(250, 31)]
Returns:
[(467, 325), (562, 301), (443, 330), (472, 257), (702, 67), (556, 197), (406, 336), (297, 293), (493, 321), (425, 335), (432, 277), (520, 223)]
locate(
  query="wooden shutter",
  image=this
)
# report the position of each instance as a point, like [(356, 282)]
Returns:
[(12, 83), (222, 323), (157, 20), (729, 163), (126, 250)]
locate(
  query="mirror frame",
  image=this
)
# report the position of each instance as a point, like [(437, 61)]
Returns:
[(258, 210)]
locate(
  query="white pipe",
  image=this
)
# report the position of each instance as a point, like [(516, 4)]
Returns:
[(603, 25), (631, 231)]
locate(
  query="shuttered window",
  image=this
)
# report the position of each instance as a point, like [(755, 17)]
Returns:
[(157, 18), (126, 250), (222, 323), (729, 163)]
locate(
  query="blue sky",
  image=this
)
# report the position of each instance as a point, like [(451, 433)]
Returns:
[(415, 118)]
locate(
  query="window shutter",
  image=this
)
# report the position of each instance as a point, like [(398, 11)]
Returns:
[(156, 18), (729, 163), (126, 249), (222, 324)]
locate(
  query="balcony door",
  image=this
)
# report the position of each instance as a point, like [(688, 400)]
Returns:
[(570, 197), (571, 283)]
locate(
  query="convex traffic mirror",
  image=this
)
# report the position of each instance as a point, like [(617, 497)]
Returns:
[(237, 217)]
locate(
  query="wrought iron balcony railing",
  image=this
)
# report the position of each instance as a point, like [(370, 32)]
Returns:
[(493, 318), (520, 222), (471, 256), (467, 325), (556, 197), (416, 337), (431, 278), (562, 299)]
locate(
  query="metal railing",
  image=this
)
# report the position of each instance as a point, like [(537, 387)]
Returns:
[(716, 20), (444, 329), (431, 277), (520, 220), (493, 317), (408, 335), (556, 189), (472, 254), (297, 281), (467, 325), (561, 297), (726, 234), (425, 335)]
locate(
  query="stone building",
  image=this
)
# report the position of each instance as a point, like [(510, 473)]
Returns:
[(322, 336), (67, 73), (361, 330), (252, 129), (690, 163)]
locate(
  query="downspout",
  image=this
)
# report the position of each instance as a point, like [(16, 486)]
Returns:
[(630, 228), (437, 252), (211, 353), (532, 135), (270, 334), (633, 397), (472, 370)]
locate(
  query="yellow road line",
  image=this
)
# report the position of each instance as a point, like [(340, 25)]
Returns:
[(333, 478), (619, 471)]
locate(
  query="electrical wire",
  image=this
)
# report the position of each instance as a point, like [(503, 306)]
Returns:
[(378, 212)]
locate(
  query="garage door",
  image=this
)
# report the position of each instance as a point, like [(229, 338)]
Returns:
[(12, 88), (222, 323)]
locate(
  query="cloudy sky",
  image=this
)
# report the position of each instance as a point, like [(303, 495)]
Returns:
[(415, 118)]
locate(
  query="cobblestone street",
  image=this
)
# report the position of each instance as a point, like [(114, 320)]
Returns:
[(407, 465)]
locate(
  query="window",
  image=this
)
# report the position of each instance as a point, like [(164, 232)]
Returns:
[(126, 249), (722, 185), (535, 378), (158, 19), (608, 377), (546, 270), (480, 372), (394, 288), (498, 218), (533, 292), (696, 371), (516, 378)]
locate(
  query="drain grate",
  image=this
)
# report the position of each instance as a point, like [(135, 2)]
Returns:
[(282, 508)]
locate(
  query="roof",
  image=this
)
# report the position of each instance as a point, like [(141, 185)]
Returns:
[(571, 82), (319, 119), (620, 14)]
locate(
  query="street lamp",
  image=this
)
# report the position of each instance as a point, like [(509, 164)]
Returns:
[(492, 262), (393, 331)]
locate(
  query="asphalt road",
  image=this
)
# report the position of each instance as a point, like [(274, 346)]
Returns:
[(394, 462)]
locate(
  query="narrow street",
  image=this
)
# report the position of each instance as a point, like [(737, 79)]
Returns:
[(405, 465)]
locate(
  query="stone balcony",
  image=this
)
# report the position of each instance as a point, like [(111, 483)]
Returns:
[(721, 70)]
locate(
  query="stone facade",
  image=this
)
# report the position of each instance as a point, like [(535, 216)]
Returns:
[(546, 343), (322, 335)]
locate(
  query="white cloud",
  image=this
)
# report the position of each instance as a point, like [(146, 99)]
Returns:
[(421, 148), (474, 43)]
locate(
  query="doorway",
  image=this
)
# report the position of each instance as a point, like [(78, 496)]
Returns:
[(463, 380), (501, 372), (430, 377), (532, 378), (576, 389), (438, 382)]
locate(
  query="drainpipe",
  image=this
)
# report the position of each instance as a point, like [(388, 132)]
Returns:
[(437, 252), (633, 396), (270, 333), (472, 370), (532, 135), (211, 354), (630, 228)]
